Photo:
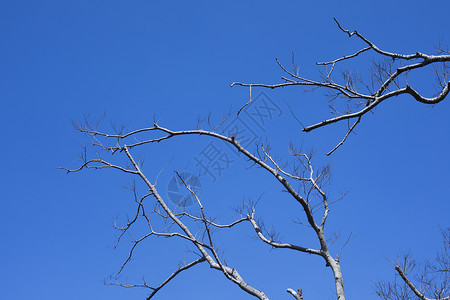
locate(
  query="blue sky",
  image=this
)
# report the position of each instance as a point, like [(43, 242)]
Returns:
[(62, 60)]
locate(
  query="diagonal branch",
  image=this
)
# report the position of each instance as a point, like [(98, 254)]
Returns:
[(174, 274)]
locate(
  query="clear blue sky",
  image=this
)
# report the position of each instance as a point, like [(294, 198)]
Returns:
[(61, 60)]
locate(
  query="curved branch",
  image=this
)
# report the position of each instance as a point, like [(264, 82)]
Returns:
[(279, 245), (420, 98), (297, 295)]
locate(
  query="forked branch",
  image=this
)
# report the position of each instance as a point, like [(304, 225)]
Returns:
[(358, 103)]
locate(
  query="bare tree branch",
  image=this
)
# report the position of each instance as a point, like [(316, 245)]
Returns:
[(297, 295), (207, 250), (172, 276), (430, 282), (388, 79)]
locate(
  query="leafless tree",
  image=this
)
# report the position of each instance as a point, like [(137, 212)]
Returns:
[(430, 281), (303, 182), (197, 228)]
